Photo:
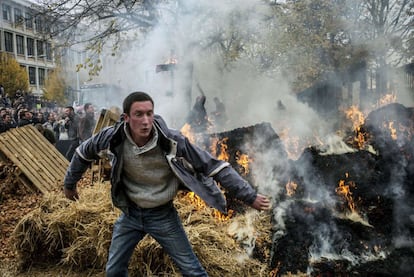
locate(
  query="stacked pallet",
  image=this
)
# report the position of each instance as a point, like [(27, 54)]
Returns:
[(40, 166)]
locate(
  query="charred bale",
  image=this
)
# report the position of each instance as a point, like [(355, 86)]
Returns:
[(318, 235), (260, 143)]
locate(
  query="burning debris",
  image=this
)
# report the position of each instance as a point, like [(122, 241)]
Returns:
[(351, 213)]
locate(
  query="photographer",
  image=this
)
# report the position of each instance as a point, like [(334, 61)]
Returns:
[(72, 127)]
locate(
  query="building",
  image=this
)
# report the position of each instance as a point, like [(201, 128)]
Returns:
[(22, 35)]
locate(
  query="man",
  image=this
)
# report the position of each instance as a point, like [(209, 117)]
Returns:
[(87, 123), (72, 127), (198, 118), (219, 115), (53, 125), (7, 123), (25, 118), (149, 163)]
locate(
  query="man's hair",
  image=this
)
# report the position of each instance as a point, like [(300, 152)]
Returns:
[(70, 108), (137, 96), (86, 106)]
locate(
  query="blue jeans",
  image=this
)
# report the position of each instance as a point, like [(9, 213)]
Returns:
[(164, 225)]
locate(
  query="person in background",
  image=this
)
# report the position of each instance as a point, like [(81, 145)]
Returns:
[(47, 133), (219, 115), (3, 111), (53, 125), (40, 118), (87, 123), (7, 123), (25, 118), (150, 162), (198, 118), (72, 128)]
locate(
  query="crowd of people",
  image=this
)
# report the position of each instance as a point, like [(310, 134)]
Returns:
[(53, 121)]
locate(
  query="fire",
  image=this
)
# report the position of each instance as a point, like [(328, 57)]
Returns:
[(223, 155), (344, 189), (292, 144), (243, 161), (199, 204), (387, 99), (213, 146), (358, 119), (393, 131), (186, 131), (291, 188), (196, 200)]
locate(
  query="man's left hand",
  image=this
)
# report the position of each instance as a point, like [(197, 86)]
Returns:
[(261, 203)]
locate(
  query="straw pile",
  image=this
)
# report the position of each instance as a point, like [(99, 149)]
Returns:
[(76, 235)]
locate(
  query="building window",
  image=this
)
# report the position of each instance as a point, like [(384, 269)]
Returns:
[(32, 75), (6, 12), (41, 76), (20, 44), (38, 24), (30, 47), (18, 16), (8, 41), (40, 52), (29, 21), (49, 51)]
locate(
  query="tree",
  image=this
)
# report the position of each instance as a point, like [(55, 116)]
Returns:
[(311, 39), (304, 39), (96, 24), (13, 77), (390, 30), (55, 86)]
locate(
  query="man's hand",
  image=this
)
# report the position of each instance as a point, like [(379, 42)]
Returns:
[(261, 203), (71, 194)]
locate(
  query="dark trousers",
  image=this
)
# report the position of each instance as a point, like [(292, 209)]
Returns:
[(71, 149)]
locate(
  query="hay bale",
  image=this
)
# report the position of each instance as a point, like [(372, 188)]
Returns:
[(77, 235)]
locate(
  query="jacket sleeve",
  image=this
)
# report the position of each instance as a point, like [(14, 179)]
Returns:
[(236, 185), (221, 171), (86, 153)]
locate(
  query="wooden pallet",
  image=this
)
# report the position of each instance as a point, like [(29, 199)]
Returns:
[(106, 118), (40, 165)]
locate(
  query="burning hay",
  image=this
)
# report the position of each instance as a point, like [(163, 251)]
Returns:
[(351, 212), (76, 235)]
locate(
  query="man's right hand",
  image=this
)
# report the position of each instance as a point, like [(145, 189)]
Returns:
[(71, 194)]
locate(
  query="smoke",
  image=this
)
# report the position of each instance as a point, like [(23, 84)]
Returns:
[(249, 96)]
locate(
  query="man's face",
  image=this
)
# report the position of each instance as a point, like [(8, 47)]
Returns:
[(90, 109), (140, 119), (67, 111)]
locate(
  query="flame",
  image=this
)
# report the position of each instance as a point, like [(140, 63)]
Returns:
[(387, 99), (196, 201), (292, 144), (223, 155), (291, 188), (344, 190), (243, 161), (199, 204), (213, 146), (358, 119), (186, 131), (393, 131)]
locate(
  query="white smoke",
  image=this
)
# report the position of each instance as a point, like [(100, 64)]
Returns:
[(249, 96)]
